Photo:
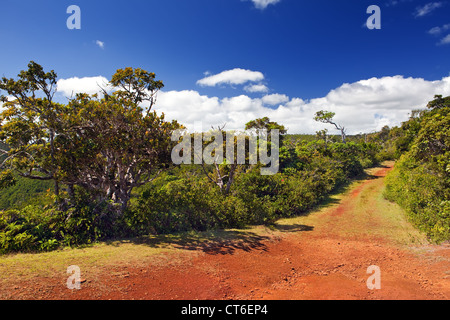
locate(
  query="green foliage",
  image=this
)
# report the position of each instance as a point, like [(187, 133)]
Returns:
[(7, 179), (29, 229), (266, 124), (24, 192), (107, 146), (45, 227), (181, 205), (421, 180), (423, 195), (106, 154), (192, 202)]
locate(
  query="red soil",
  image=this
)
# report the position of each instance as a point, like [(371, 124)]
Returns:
[(301, 262)]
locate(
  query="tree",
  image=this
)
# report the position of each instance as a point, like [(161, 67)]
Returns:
[(110, 147), (243, 147), (439, 102), (432, 142), (327, 117), (265, 123), (29, 125), (136, 85), (322, 135), (107, 146), (224, 169)]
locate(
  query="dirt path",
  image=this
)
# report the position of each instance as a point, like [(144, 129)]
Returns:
[(322, 256)]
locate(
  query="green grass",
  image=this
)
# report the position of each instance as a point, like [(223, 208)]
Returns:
[(155, 250), (369, 215)]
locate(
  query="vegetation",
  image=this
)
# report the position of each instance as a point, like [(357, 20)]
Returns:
[(105, 146), (100, 168), (327, 117), (421, 180)]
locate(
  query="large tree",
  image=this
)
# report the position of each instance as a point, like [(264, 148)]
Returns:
[(111, 145), (106, 145)]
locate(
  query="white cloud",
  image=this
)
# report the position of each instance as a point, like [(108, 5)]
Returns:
[(262, 4), (90, 85), (427, 9), (256, 88), (274, 99), (362, 106), (235, 76), (101, 44), (445, 40), (439, 30)]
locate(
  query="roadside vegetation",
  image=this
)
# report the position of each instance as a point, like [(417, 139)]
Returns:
[(421, 179), (99, 168)]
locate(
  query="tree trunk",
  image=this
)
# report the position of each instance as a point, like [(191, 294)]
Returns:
[(344, 137)]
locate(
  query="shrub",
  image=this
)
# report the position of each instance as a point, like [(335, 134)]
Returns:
[(420, 183), (28, 229), (422, 195)]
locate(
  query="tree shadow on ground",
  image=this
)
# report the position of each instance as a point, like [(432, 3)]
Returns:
[(216, 242), (229, 241), (292, 227)]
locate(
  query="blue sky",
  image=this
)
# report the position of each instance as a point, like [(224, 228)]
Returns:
[(281, 58)]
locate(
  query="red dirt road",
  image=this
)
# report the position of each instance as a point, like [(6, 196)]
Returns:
[(294, 262)]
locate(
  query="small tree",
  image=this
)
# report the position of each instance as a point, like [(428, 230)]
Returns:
[(266, 124), (439, 102), (327, 117), (224, 170)]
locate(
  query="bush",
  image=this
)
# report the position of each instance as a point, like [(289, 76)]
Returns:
[(183, 199), (29, 229), (422, 195), (420, 182), (45, 228), (182, 205)]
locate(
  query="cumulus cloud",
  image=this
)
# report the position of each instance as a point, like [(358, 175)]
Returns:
[(274, 99), (90, 85), (262, 4), (256, 88), (362, 106), (427, 8), (235, 76)]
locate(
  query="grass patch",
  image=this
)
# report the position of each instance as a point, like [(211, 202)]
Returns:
[(360, 211), (368, 214)]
